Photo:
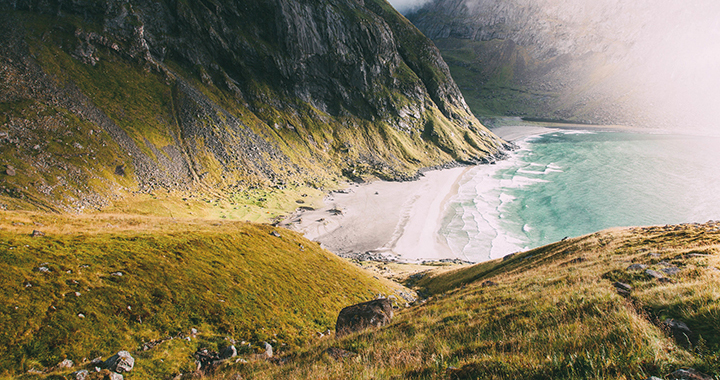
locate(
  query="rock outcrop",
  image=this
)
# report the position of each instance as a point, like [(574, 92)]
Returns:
[(375, 313), (227, 96)]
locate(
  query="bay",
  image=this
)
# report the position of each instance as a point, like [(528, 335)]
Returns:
[(571, 183)]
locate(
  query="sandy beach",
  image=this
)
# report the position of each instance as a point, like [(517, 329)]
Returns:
[(394, 220)]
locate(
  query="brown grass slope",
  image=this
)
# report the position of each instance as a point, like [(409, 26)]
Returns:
[(552, 312)]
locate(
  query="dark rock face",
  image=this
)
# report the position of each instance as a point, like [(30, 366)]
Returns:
[(244, 85), (358, 317)]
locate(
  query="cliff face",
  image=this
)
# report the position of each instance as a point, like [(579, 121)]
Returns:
[(607, 61), (102, 97)]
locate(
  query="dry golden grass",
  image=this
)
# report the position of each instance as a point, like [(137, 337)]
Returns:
[(549, 315)]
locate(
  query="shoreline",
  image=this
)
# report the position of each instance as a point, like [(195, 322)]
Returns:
[(397, 221)]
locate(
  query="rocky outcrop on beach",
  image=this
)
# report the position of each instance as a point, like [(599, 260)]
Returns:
[(101, 98)]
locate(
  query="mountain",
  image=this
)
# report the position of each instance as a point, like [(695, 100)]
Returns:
[(643, 63), (105, 99)]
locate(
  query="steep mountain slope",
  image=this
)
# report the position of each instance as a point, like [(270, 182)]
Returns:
[(608, 61), (102, 98)]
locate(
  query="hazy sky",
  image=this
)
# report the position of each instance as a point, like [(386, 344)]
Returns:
[(406, 5)]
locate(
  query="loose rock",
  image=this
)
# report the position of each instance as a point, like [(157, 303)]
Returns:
[(120, 362), (671, 271), (82, 374), (9, 170), (363, 315), (689, 374), (228, 352), (268, 350), (637, 267), (37, 233), (679, 331), (654, 274), (488, 283)]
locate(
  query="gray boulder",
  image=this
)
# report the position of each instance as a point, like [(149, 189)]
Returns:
[(228, 352), (363, 315), (671, 271), (680, 332), (82, 374), (114, 376), (654, 274), (120, 362), (268, 350), (637, 267), (689, 374)]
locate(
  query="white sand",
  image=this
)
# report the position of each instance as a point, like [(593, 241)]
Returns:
[(400, 220)]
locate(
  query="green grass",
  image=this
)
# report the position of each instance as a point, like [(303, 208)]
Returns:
[(548, 316), (226, 279)]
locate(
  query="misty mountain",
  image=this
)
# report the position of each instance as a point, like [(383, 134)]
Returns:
[(610, 61)]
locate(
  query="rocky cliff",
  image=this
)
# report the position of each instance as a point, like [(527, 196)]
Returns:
[(102, 98), (607, 61)]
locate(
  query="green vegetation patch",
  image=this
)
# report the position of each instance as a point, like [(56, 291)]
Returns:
[(95, 285)]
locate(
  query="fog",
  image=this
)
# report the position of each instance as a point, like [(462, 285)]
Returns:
[(662, 55), (404, 6)]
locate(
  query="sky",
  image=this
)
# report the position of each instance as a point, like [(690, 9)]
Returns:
[(404, 6)]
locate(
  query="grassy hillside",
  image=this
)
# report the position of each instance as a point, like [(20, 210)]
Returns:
[(552, 312), (93, 285)]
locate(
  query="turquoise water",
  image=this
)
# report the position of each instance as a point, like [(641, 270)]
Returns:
[(571, 183)]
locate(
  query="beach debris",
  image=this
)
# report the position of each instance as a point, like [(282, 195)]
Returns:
[(363, 315), (120, 362), (637, 267)]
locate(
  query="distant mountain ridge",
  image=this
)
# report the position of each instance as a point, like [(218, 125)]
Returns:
[(608, 61), (104, 97)]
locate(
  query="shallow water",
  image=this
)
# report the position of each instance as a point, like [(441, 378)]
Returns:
[(572, 183)]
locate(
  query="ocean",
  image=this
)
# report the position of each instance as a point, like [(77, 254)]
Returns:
[(572, 183)]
